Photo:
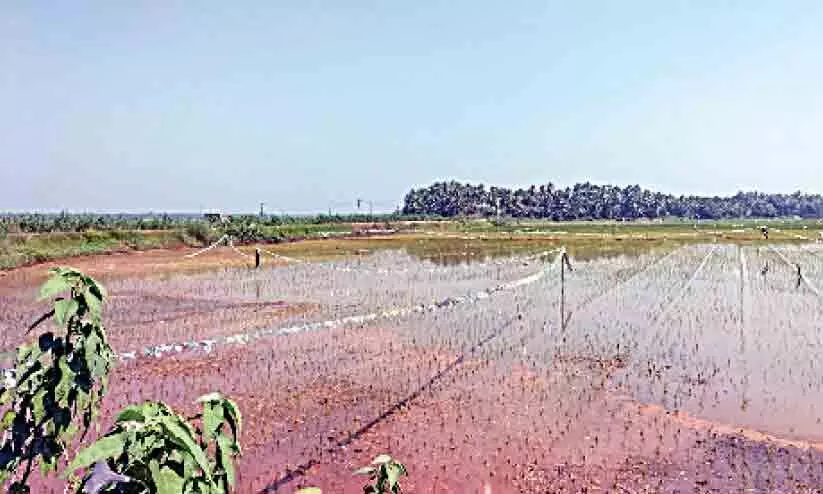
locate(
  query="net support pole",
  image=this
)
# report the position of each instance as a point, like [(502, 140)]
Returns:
[(562, 293)]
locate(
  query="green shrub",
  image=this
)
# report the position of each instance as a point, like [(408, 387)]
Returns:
[(55, 391), (152, 449), (58, 381), (200, 231), (384, 473)]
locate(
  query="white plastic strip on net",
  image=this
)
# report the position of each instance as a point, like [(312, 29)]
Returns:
[(393, 313), (235, 249), (210, 247), (279, 256), (802, 277)]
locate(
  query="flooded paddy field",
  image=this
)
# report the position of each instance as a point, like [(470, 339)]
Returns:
[(686, 368)]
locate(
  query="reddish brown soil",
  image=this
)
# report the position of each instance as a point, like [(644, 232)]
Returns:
[(147, 318), (519, 437), (132, 264), (315, 408), (224, 320), (165, 320), (300, 395), (318, 405)]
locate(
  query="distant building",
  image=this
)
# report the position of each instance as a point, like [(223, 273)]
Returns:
[(217, 217)]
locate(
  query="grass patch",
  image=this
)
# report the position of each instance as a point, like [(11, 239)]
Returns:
[(442, 242), (21, 250)]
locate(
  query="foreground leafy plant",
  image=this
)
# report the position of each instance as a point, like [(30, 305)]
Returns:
[(151, 449), (385, 473), (58, 382)]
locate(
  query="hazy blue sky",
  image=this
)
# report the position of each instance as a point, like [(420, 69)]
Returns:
[(180, 105)]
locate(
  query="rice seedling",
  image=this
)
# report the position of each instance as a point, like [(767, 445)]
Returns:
[(680, 370)]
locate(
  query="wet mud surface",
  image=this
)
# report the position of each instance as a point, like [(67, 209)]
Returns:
[(690, 375)]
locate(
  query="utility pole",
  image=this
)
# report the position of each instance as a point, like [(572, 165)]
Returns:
[(562, 291), (359, 203)]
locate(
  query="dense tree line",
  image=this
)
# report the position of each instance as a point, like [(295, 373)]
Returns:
[(589, 201)]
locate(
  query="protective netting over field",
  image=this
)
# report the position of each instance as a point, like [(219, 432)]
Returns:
[(692, 370), (170, 310)]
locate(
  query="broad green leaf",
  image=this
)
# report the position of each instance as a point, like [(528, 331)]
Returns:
[(64, 309), (144, 412), (210, 397), (183, 437), (55, 285), (364, 471), (189, 465), (197, 485), (72, 275), (30, 378), (394, 471), (134, 413), (105, 448), (94, 304), (61, 391), (220, 485), (67, 271), (166, 480), (212, 419), (95, 288), (232, 413), (381, 459), (47, 466), (8, 418), (38, 407), (380, 484), (136, 450), (71, 430), (225, 447), (6, 395), (26, 352), (82, 400)]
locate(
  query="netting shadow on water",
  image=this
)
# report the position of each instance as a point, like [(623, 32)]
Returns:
[(681, 371)]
